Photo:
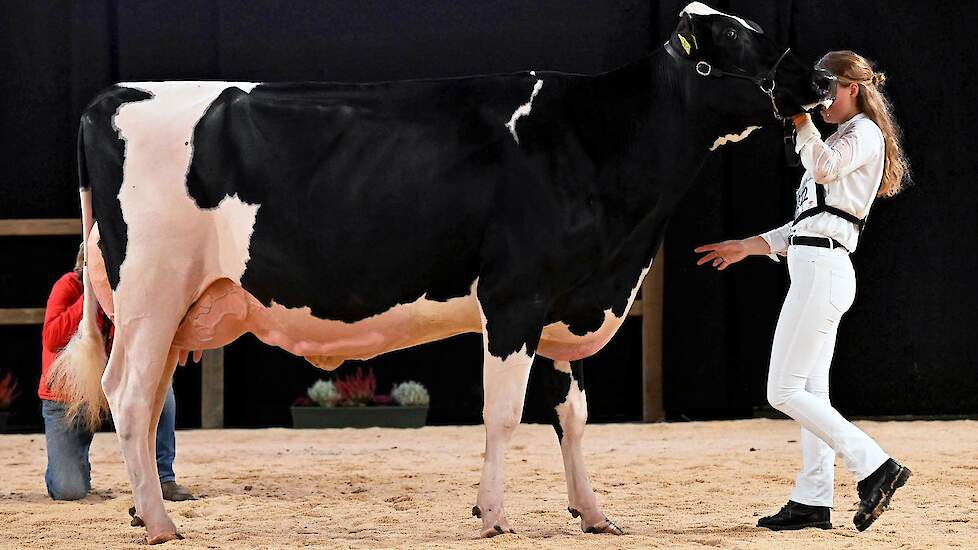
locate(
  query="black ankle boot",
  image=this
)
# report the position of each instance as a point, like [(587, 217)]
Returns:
[(795, 515), (876, 490)]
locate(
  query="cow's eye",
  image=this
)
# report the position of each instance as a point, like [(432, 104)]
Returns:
[(730, 34)]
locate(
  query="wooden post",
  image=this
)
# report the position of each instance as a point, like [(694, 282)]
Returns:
[(46, 226), (652, 295), (212, 389)]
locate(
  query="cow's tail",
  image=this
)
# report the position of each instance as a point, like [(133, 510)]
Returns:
[(76, 374)]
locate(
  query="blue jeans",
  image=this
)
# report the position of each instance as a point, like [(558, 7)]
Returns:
[(69, 474)]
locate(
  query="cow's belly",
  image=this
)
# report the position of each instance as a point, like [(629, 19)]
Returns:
[(560, 344), (225, 311)]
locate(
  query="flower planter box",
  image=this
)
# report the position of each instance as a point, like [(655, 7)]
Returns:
[(359, 417)]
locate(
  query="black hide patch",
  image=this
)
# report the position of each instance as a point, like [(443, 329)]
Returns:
[(368, 197), (552, 387), (101, 154), (373, 195)]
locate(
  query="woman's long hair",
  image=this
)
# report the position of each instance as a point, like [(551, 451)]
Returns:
[(849, 67)]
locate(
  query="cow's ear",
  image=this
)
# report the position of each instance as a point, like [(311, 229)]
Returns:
[(757, 28), (685, 34)]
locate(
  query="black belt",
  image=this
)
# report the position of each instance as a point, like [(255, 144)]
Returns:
[(821, 242)]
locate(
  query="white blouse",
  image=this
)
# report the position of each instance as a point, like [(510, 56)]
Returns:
[(850, 166)]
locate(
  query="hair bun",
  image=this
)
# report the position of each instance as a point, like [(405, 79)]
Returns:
[(878, 79)]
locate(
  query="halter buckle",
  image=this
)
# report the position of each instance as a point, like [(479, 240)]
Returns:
[(763, 85), (703, 68)]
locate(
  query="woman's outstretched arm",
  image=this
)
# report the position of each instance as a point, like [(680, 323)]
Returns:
[(725, 253)]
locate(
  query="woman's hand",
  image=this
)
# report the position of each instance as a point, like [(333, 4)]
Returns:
[(727, 253), (800, 119)]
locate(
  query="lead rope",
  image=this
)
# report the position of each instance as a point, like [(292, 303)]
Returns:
[(790, 156)]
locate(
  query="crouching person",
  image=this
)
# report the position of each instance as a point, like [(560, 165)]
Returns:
[(68, 475)]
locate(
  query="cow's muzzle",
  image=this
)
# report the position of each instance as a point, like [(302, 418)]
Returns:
[(824, 84)]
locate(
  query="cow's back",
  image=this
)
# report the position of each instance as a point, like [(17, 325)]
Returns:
[(365, 200), (348, 199)]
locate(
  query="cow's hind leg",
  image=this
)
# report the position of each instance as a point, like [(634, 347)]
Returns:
[(171, 362), (505, 375), (563, 386), (135, 381)]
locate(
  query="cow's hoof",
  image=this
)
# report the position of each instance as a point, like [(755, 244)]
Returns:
[(136, 520), (494, 531), (603, 527), (493, 522), (164, 537)]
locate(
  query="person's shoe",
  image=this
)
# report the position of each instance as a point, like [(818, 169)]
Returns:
[(876, 491), (795, 515), (174, 492)]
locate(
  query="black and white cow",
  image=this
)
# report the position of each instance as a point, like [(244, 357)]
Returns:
[(341, 221)]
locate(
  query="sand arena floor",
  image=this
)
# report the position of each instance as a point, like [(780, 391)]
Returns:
[(690, 485)]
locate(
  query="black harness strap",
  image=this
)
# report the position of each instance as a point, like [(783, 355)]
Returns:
[(822, 207)]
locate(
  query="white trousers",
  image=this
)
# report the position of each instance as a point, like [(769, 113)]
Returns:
[(823, 287)]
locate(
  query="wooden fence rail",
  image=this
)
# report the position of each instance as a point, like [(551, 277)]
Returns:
[(40, 227), (212, 363)]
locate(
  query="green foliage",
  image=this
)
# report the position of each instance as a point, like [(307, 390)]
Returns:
[(410, 394), (324, 393)]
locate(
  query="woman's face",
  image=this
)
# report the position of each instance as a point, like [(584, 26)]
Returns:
[(845, 104)]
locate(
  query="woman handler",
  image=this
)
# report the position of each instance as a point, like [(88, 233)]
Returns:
[(863, 159)]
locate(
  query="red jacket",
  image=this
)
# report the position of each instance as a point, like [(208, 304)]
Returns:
[(61, 320)]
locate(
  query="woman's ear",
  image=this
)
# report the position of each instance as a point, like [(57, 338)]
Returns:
[(854, 89)]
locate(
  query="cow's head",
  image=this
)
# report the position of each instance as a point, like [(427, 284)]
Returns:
[(743, 73)]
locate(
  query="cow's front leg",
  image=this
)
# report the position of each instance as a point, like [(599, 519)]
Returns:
[(504, 378), (564, 388), (504, 381)]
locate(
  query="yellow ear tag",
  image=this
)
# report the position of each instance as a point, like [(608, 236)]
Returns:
[(685, 43)]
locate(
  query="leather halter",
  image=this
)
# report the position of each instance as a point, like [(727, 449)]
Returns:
[(764, 81)]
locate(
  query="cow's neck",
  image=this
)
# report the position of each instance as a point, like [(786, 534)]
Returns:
[(657, 143)]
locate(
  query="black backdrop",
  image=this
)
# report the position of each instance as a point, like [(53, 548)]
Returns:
[(907, 346)]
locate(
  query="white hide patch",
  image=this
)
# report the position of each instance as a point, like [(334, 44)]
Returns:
[(698, 8), (236, 223), (159, 147), (732, 138), (523, 109), (573, 405), (824, 103), (572, 392)]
